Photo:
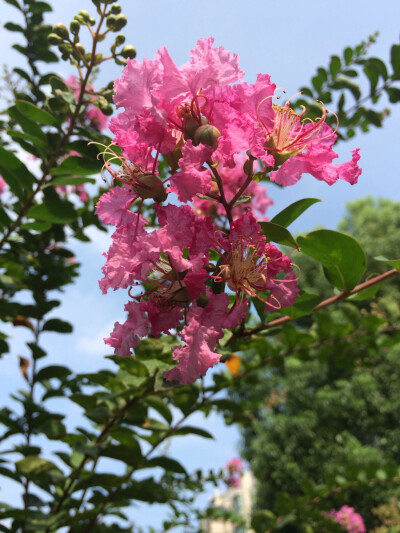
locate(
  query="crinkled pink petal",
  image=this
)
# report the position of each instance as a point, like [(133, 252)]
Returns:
[(204, 329), (161, 322), (283, 292), (134, 90), (112, 207), (126, 336), (193, 178), (122, 262)]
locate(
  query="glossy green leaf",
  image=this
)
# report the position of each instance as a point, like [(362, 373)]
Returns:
[(293, 211), (70, 180), (191, 430), (161, 407), (170, 465), (32, 464), (36, 226), (303, 305), (57, 325), (36, 114), (279, 234), (57, 211), (53, 371), (15, 172), (341, 256), (77, 166), (129, 455), (395, 263), (342, 82), (395, 60)]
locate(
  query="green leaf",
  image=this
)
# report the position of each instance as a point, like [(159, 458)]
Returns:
[(130, 455), (348, 55), (342, 82), (57, 211), (276, 233), (303, 305), (293, 211), (130, 364), (36, 114), (36, 226), (53, 371), (160, 406), (170, 465), (366, 294), (36, 141), (77, 166), (395, 60), (70, 180), (60, 326), (395, 263), (341, 255), (191, 430), (335, 65), (393, 94), (33, 465), (15, 172)]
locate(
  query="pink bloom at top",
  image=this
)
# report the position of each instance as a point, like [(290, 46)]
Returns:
[(300, 146), (347, 517)]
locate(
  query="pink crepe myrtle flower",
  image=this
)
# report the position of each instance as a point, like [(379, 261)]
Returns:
[(251, 266), (201, 334), (301, 146), (349, 519), (234, 472)]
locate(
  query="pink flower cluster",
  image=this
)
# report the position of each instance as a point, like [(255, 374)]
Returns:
[(234, 472), (3, 185), (200, 263), (349, 519)]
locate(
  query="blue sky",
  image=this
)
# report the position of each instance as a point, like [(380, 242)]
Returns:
[(287, 40)]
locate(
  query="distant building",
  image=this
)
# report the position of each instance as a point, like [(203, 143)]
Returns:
[(236, 499)]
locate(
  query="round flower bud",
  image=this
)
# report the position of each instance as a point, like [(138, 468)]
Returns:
[(80, 49), (119, 39), (152, 187), (202, 300), (84, 14), (207, 134), (61, 30), (191, 124), (116, 22), (116, 9), (53, 38), (128, 51), (74, 27)]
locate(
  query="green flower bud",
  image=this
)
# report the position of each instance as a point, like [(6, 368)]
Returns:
[(128, 51), (119, 39), (116, 9), (84, 14), (74, 27), (53, 38), (207, 134), (202, 300), (80, 48), (79, 19), (65, 49), (61, 30), (191, 124), (92, 21), (116, 22)]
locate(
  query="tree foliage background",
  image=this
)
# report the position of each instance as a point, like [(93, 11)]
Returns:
[(316, 391)]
